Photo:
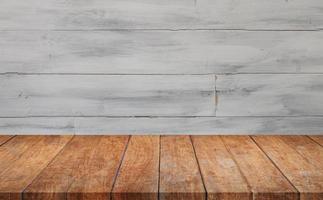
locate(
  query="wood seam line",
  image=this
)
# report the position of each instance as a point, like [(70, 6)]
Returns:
[(238, 167), (119, 167), (52, 160), (159, 154), (8, 140), (314, 140), (199, 168), (298, 192)]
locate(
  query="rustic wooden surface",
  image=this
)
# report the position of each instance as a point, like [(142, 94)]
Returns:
[(161, 167), (180, 177), (166, 14), (112, 95), (139, 173), (165, 125), (161, 52), (85, 169), (303, 172), (59, 62)]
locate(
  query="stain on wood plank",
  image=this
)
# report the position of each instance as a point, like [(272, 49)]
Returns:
[(264, 179), (86, 173), (305, 176), (161, 52), (176, 14), (112, 95), (139, 173), (24, 164), (179, 172), (221, 175)]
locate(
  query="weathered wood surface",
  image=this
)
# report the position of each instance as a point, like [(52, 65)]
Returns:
[(221, 175), (23, 158), (302, 171), (161, 167), (264, 179), (180, 177), (161, 52), (138, 177), (164, 125), (165, 14), (47, 95), (269, 95), (85, 169)]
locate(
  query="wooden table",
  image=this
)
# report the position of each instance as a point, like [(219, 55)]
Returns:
[(161, 167)]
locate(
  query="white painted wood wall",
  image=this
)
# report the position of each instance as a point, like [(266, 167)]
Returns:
[(161, 66)]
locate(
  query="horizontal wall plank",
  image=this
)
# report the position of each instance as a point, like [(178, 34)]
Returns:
[(161, 52), (269, 95), (169, 14), (113, 95), (146, 125)]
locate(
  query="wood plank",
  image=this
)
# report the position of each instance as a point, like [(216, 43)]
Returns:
[(139, 173), (221, 175), (163, 125), (5, 138), (24, 164), (306, 147), (269, 95), (87, 173), (161, 52), (179, 172), (318, 139), (166, 14), (107, 95), (265, 180), (306, 177)]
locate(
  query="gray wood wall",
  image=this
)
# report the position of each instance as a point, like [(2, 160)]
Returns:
[(161, 66)]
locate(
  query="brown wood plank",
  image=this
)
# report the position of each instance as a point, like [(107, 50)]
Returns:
[(24, 157), (139, 172), (305, 176), (318, 139), (5, 138), (222, 177), (85, 169), (265, 180), (306, 147), (179, 173)]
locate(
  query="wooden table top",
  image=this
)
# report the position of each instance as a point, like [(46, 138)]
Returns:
[(161, 167)]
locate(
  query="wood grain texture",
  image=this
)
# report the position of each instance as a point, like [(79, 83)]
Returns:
[(265, 180), (179, 172), (318, 139), (221, 175), (162, 125), (166, 14), (161, 52), (24, 158), (112, 95), (269, 95), (5, 138), (139, 173), (307, 148), (87, 173), (305, 176)]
